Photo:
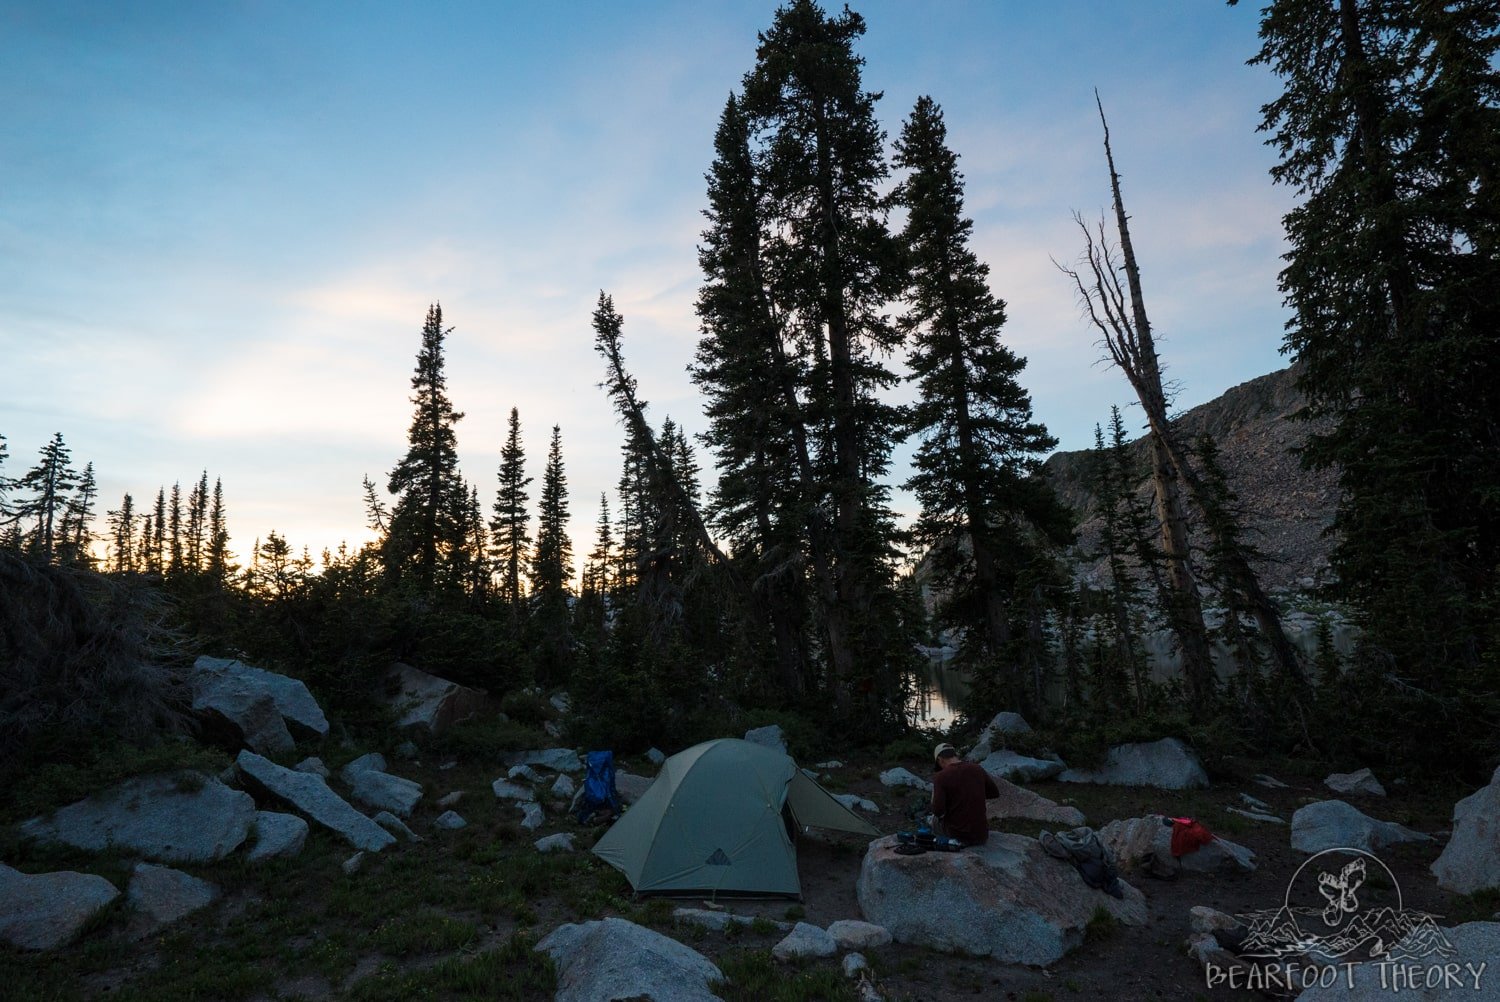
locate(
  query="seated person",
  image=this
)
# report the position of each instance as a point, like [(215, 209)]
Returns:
[(959, 790)]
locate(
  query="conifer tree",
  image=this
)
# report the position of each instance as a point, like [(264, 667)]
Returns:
[(473, 564), (1388, 129), (77, 536), (984, 510), (749, 377), (218, 537), (121, 524), (143, 544), (552, 568), (636, 518), (508, 528), (175, 541), (598, 569), (50, 483), (428, 527), (832, 269), (197, 524), (595, 593), (156, 544)]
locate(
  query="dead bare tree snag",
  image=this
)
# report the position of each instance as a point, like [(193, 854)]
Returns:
[(1128, 338)]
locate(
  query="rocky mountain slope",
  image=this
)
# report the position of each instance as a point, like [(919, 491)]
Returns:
[(1285, 508)]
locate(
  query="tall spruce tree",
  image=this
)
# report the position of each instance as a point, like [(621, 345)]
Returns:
[(1389, 131), (509, 537), (428, 525), (218, 556), (197, 524), (984, 510), (832, 269), (749, 378), (552, 569), (174, 542), (50, 484), (77, 537), (155, 546), (121, 524)]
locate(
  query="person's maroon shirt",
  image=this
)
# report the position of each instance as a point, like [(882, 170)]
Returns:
[(959, 791)]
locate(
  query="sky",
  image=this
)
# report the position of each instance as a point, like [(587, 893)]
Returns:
[(222, 224)]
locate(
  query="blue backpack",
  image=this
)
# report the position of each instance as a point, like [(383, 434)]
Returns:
[(598, 787)]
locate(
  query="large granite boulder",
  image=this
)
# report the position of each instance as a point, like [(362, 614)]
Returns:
[(1144, 845), (769, 736), (1006, 899), (900, 776), (309, 794), (1020, 768), (616, 959), (365, 763), (852, 934), (1018, 802), (1003, 725), (1468, 974), (631, 787), (396, 827), (720, 921), (560, 842), (1471, 860), (276, 835), (385, 792), (162, 895), (171, 817), (506, 790), (423, 700), (556, 759), (1333, 824), (43, 911), (805, 940), (237, 715), (1360, 783), (293, 700), (854, 801), (1167, 764)]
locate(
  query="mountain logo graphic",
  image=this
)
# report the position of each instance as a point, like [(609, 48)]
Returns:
[(1352, 911), (717, 859)]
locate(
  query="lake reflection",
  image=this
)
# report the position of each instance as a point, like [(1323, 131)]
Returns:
[(938, 691)]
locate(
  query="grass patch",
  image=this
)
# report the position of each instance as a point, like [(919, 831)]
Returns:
[(511, 972), (1101, 925), (754, 977), (656, 912), (423, 932), (487, 738), (44, 788)]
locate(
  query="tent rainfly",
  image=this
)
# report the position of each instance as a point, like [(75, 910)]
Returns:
[(712, 823)]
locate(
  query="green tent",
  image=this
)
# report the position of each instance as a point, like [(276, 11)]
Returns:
[(712, 823)]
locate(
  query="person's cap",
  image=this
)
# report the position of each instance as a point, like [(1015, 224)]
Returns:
[(943, 749)]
